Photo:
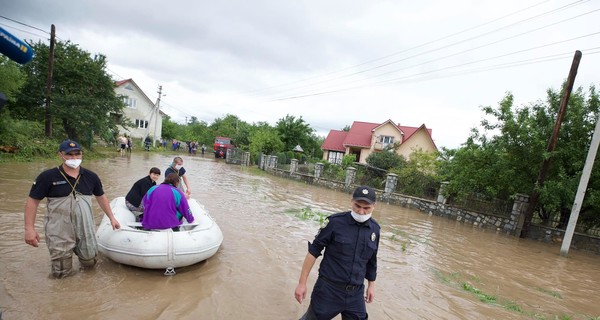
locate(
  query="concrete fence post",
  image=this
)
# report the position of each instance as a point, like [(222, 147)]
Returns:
[(350, 177), (247, 158), (517, 215), (273, 162), (318, 170), (441, 198), (294, 166), (390, 185), (262, 162)]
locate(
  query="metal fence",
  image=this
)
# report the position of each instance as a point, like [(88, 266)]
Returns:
[(558, 222), (479, 204), (234, 156)]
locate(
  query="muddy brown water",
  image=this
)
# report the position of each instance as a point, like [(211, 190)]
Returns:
[(429, 267)]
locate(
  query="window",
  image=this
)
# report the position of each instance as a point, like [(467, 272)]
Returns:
[(142, 124), (335, 157), (130, 102), (386, 141)]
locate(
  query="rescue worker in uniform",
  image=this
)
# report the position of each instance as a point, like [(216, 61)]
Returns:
[(69, 222), (350, 240)]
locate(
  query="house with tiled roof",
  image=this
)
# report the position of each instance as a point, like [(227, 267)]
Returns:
[(364, 138), (140, 110)]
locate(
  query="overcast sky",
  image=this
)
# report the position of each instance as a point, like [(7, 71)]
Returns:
[(331, 62)]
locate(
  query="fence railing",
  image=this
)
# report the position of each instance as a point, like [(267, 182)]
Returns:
[(474, 203)]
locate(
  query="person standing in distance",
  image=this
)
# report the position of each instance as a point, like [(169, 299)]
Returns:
[(69, 223), (177, 167), (351, 240)]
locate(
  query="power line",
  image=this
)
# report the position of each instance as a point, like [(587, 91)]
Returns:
[(24, 31), (423, 75), (469, 50), (455, 43), (433, 41), (24, 24)]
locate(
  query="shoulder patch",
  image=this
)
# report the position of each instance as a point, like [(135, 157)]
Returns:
[(336, 215)]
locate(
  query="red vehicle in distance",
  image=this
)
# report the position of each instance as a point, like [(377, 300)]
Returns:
[(221, 145)]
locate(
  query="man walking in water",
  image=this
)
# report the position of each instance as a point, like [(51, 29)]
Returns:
[(351, 240), (69, 224)]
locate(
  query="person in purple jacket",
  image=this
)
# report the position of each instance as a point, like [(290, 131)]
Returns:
[(165, 206)]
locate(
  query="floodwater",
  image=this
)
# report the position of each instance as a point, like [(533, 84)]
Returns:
[(429, 267)]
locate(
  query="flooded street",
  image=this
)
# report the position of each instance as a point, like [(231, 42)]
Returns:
[(429, 267)]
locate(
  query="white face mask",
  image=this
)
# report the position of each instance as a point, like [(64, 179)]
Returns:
[(178, 166), (73, 163), (360, 217)]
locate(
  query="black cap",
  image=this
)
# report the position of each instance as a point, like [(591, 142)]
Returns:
[(365, 193), (68, 146)]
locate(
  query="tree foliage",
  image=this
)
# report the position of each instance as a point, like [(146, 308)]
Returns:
[(83, 96), (293, 132), (265, 140), (385, 160), (504, 157), (11, 78), (419, 176)]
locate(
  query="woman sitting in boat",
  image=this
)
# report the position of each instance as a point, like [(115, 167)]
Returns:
[(165, 206)]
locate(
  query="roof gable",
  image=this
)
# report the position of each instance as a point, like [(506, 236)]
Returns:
[(335, 141), (128, 83), (412, 131), (359, 134)]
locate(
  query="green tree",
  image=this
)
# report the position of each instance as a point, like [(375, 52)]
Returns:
[(266, 140), (170, 129), (505, 157), (228, 126), (294, 132), (11, 78), (420, 174), (83, 96), (385, 160)]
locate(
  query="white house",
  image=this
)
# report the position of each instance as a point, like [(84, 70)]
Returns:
[(140, 110)]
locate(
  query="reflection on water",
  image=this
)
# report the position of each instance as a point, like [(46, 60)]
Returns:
[(429, 267)]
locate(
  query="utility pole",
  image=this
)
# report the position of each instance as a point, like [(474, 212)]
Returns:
[(583, 183), (157, 113), (535, 194), (47, 116)]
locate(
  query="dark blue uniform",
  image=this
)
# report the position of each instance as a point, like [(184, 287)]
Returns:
[(350, 257), (170, 170), (52, 183)]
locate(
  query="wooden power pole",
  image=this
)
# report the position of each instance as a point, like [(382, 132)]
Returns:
[(535, 195), (48, 117)]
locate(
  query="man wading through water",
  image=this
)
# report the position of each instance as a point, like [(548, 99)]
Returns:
[(350, 240), (69, 222)]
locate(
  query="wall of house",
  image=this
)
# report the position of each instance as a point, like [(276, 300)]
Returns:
[(386, 130), (419, 140), (143, 111)]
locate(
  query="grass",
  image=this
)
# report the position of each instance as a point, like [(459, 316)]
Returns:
[(308, 214), (465, 283)]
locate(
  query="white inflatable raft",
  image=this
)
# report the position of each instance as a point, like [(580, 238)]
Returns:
[(164, 249)]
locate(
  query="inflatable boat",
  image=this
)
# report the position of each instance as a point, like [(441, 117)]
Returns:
[(158, 249)]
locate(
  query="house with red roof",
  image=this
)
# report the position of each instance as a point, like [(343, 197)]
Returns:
[(364, 138), (140, 110)]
